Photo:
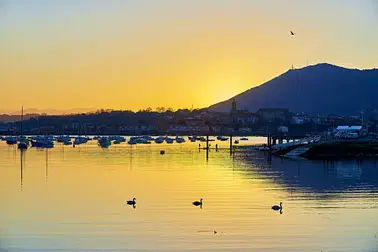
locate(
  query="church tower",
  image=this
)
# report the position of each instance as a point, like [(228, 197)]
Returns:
[(233, 109)]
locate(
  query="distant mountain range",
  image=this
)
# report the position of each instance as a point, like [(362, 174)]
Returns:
[(50, 111), (319, 89)]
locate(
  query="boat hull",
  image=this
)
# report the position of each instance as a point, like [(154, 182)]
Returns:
[(22, 145)]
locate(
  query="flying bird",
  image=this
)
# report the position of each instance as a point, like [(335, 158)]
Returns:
[(292, 33)]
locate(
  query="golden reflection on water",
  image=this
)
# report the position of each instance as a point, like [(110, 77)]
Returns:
[(74, 199)]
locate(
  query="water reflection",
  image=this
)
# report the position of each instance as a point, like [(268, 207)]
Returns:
[(314, 176), (131, 158), (238, 191), (22, 161), (47, 165), (132, 205), (62, 152)]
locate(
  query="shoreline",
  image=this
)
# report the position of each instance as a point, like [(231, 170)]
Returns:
[(141, 134)]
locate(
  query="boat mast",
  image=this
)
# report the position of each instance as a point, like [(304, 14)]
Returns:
[(22, 121)]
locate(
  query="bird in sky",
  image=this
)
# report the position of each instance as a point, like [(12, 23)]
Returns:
[(292, 33)]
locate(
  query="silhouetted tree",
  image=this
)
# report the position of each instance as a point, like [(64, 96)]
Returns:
[(160, 109), (184, 110), (147, 110)]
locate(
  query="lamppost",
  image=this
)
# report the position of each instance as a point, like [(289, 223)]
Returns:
[(267, 128), (268, 134)]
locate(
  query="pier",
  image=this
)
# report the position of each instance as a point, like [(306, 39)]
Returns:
[(207, 148), (283, 139)]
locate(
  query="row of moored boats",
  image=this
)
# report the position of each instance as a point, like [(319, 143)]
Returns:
[(103, 141)]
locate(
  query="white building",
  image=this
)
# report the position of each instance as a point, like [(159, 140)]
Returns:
[(300, 119), (245, 130), (348, 131), (283, 129)]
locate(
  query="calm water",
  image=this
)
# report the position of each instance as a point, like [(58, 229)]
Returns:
[(73, 199)]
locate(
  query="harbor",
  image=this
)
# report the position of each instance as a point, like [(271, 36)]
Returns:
[(171, 126), (81, 192), (309, 147)]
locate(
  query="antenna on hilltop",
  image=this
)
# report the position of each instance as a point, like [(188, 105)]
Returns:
[(362, 111)]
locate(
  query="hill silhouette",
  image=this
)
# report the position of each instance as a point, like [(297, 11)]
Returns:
[(318, 89)]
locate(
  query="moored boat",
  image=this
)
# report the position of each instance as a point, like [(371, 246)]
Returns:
[(202, 139), (104, 142), (62, 139), (80, 140), (67, 142), (132, 142), (180, 139), (11, 140), (42, 142), (24, 143), (159, 140), (169, 140)]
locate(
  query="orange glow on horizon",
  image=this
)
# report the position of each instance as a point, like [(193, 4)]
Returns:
[(129, 56)]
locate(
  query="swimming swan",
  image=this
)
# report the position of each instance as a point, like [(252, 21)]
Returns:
[(197, 203), (276, 208), (131, 202)]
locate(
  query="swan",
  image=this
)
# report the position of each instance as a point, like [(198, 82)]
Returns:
[(197, 203), (131, 202), (276, 208)]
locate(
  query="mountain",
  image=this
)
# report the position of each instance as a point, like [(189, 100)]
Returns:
[(319, 89)]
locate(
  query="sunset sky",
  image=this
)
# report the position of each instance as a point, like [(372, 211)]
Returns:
[(138, 54)]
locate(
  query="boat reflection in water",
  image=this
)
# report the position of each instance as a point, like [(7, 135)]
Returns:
[(339, 177), (22, 165), (328, 206)]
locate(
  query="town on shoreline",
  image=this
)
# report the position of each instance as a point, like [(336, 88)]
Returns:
[(265, 121)]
